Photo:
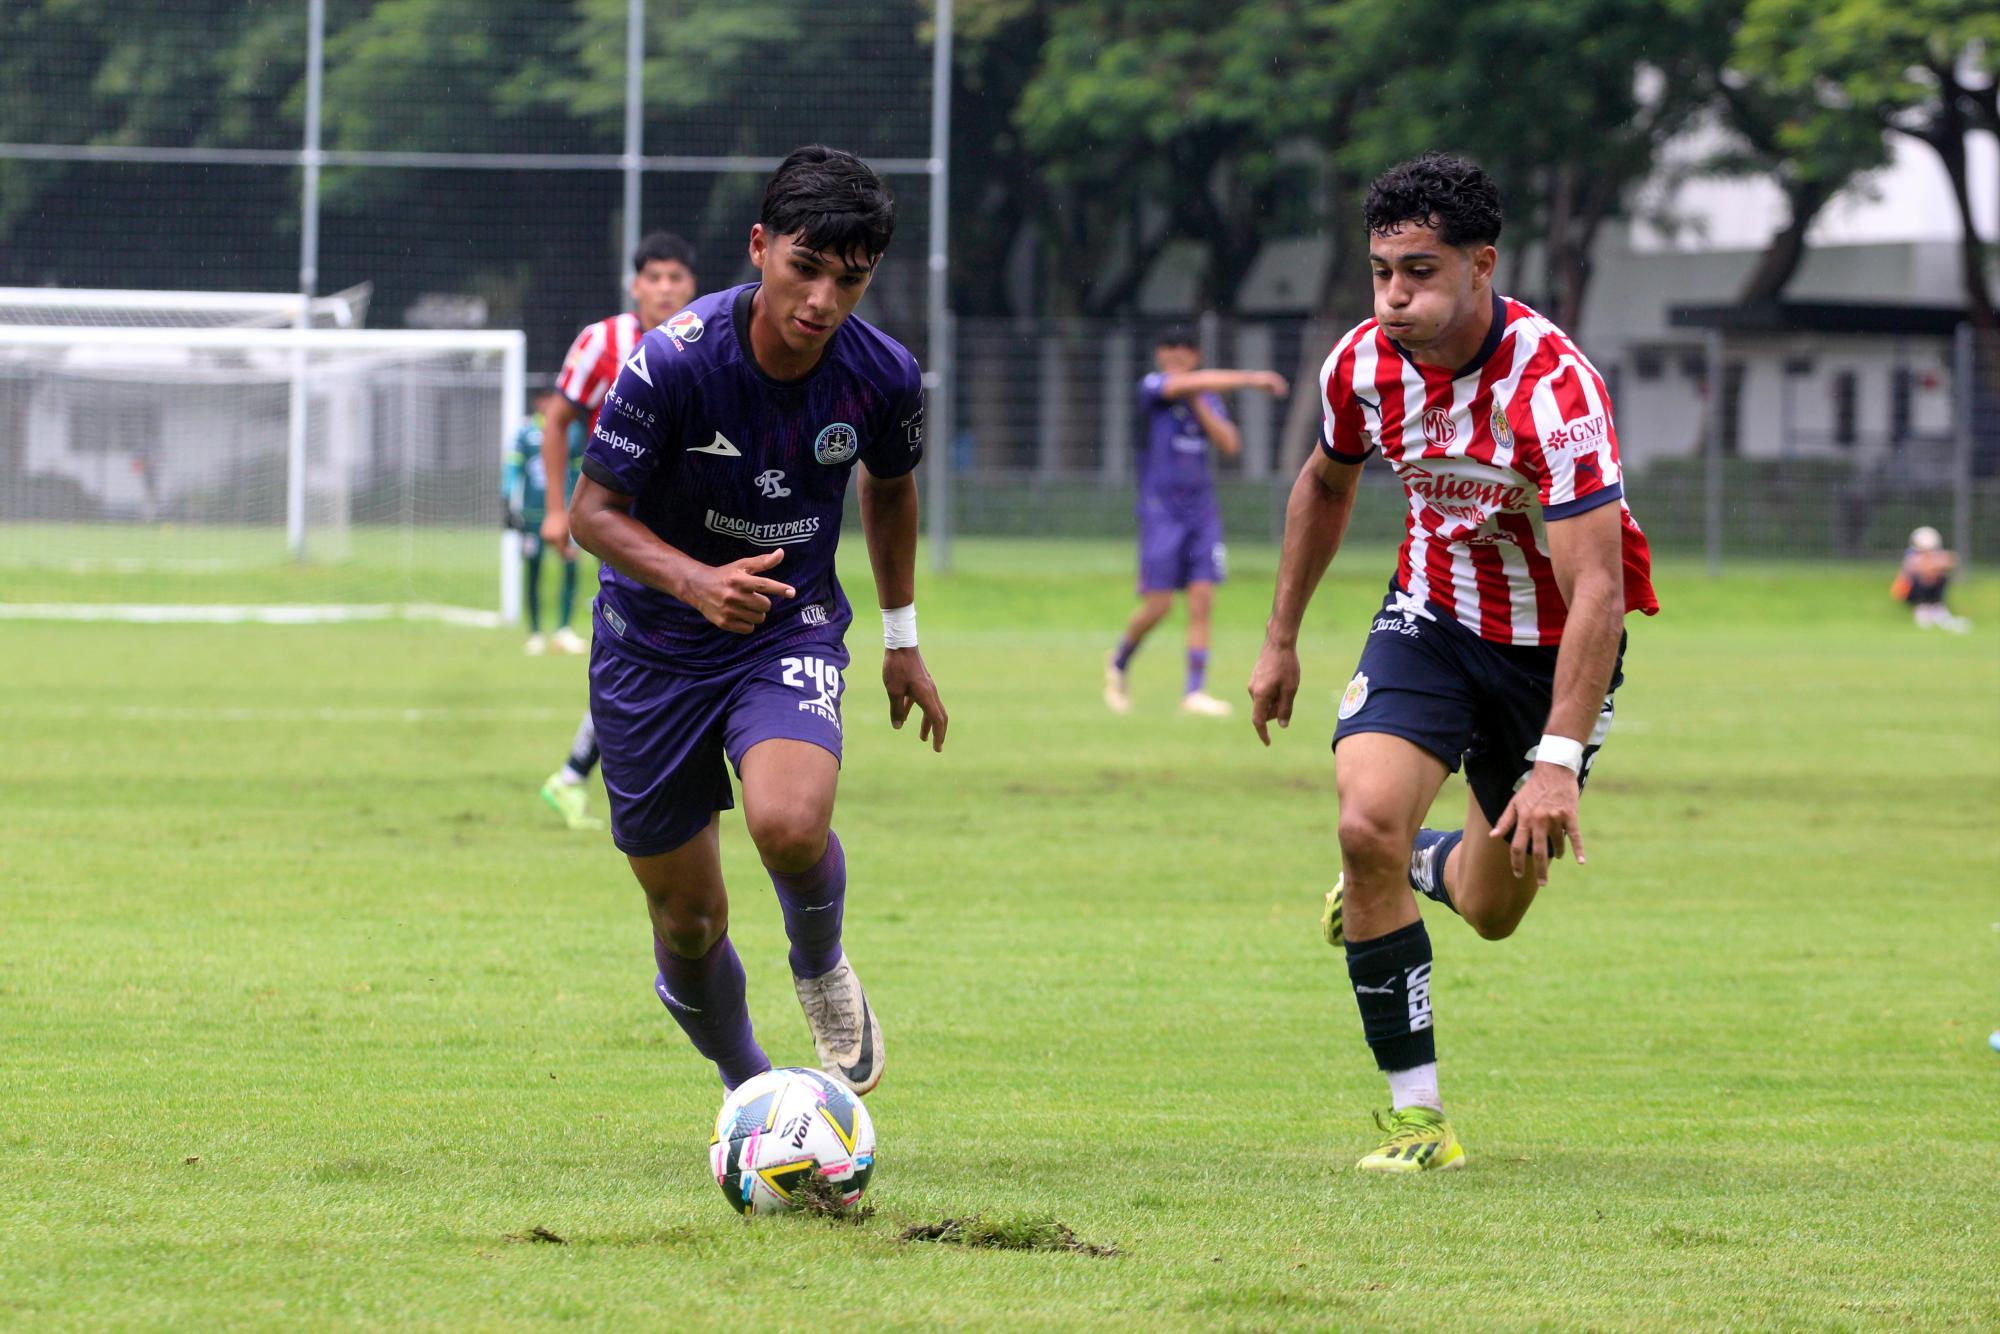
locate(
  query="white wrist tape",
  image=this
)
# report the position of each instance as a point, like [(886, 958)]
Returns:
[(1562, 750), (899, 626)]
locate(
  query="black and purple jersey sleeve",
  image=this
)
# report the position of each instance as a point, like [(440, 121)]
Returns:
[(898, 443), (636, 424)]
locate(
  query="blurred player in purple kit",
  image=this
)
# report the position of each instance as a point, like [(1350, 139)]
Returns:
[(1180, 525), (712, 490)]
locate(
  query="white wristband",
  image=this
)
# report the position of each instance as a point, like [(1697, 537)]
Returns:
[(899, 626), (1566, 751)]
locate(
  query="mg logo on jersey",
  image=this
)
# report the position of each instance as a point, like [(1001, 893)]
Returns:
[(1439, 428), (772, 483), (685, 328)]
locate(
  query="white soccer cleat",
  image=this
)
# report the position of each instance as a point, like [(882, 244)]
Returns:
[(845, 1032), (566, 640), (536, 646), (1201, 704), (1115, 698)]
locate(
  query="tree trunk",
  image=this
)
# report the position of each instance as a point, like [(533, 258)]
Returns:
[(1787, 250), (1946, 136)]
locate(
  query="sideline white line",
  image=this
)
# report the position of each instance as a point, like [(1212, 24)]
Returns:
[(227, 714), (267, 614)]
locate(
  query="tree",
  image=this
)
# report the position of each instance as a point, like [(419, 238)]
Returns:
[(1921, 68)]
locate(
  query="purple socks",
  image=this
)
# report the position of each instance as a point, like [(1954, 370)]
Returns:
[(1123, 657), (1197, 669), (813, 902), (705, 997)]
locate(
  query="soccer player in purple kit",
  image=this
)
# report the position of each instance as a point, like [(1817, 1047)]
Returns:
[(711, 491), (1180, 525)]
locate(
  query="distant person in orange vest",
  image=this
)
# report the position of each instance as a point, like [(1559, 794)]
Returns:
[(1927, 568)]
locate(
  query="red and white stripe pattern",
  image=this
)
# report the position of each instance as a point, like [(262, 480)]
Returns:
[(591, 367), (1486, 457)]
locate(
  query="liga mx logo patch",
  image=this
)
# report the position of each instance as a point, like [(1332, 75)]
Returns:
[(685, 327), (1354, 696), (836, 444)]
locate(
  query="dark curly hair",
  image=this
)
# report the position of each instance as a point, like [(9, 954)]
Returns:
[(1441, 190), (832, 201)]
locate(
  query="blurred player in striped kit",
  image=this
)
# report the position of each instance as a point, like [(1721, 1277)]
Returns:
[(663, 281)]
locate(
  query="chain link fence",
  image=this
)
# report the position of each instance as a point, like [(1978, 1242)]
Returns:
[(1048, 424)]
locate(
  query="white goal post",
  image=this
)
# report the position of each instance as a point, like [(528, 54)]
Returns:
[(132, 451)]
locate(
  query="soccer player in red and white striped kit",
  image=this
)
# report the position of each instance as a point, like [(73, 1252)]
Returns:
[(1501, 639), (663, 282)]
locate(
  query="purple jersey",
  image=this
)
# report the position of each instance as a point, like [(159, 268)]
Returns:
[(1173, 469), (724, 462)]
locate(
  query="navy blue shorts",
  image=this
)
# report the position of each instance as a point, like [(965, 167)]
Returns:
[(669, 738), (1176, 550), (1428, 679)]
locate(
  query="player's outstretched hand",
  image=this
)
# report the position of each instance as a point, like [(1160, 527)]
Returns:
[(909, 682), (1274, 684), (1536, 821), (1276, 384), (555, 529), (737, 597)]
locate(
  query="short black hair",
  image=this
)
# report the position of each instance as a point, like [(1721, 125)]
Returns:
[(832, 201), (1438, 189), (664, 246), (1176, 335)]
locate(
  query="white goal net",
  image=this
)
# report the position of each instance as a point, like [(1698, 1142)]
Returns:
[(353, 471)]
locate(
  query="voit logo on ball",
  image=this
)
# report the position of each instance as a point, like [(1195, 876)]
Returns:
[(836, 444)]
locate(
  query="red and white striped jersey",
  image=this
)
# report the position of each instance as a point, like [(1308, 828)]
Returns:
[(591, 367), (1487, 455)]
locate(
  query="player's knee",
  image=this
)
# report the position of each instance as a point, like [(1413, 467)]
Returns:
[(1370, 843), (690, 929), (789, 840), (1489, 924)]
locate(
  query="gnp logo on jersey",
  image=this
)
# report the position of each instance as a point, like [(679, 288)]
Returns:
[(1439, 428), (1587, 433), (772, 483), (685, 328), (836, 444)]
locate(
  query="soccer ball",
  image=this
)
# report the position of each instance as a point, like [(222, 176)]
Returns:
[(779, 1127)]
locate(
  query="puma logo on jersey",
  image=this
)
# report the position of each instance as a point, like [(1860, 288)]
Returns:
[(720, 447)]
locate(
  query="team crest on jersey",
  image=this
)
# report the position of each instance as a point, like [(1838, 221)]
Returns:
[(1439, 428), (684, 328), (836, 444), (1354, 696), (1503, 434)]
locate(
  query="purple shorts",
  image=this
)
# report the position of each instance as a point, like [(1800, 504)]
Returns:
[(1176, 550), (665, 734)]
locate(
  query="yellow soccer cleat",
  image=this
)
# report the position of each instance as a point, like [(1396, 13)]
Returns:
[(1329, 919), (1419, 1140)]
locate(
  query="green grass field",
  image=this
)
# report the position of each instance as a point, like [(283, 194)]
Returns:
[(309, 1012)]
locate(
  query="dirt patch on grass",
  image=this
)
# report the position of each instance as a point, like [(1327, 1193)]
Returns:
[(819, 1198), (1025, 1234), (538, 1234)]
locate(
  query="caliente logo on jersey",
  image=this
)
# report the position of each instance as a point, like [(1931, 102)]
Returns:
[(836, 444)]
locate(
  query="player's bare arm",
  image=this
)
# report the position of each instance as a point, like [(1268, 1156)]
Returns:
[(889, 523), (735, 597), (1183, 384), (1585, 551), (556, 419), (1316, 516)]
